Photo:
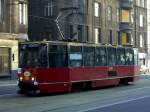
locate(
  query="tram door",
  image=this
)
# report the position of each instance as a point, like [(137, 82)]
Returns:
[(4, 62)]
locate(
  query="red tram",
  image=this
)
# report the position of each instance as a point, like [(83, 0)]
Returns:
[(48, 67)]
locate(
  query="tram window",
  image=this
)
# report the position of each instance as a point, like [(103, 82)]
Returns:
[(100, 56), (121, 60), (43, 56), (29, 56), (111, 56), (129, 57), (89, 56), (58, 56), (75, 56)]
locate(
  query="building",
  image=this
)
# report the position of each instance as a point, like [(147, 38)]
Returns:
[(126, 22), (56, 20), (140, 29), (148, 31), (115, 22), (13, 28), (74, 20)]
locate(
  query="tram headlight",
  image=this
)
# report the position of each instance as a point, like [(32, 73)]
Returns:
[(20, 78), (32, 78)]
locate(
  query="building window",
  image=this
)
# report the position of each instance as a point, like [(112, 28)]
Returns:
[(71, 31), (110, 37), (23, 13), (1, 10), (132, 16), (49, 8), (119, 37), (125, 38), (141, 20), (96, 9), (97, 33), (142, 3), (141, 40), (125, 16), (128, 40), (132, 39), (118, 15), (109, 13), (87, 33), (79, 33), (138, 2)]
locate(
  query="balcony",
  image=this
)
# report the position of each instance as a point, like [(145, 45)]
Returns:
[(126, 4), (125, 27), (69, 4)]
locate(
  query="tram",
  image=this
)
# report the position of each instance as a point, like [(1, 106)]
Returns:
[(51, 67)]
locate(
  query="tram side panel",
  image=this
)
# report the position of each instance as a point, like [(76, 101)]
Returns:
[(125, 71), (98, 76), (53, 80), (87, 73)]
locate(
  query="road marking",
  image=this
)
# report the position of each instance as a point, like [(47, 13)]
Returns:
[(4, 85), (113, 104), (7, 95)]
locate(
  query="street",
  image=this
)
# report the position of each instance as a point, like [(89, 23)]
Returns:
[(140, 104), (114, 99)]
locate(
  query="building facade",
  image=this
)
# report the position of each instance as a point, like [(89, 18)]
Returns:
[(115, 22), (140, 29), (94, 21), (74, 20), (13, 28), (148, 32)]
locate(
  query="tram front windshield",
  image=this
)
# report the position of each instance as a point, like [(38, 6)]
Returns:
[(33, 56)]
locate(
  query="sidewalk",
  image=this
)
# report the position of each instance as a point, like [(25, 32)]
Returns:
[(146, 74)]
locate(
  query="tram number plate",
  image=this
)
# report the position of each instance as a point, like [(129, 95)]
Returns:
[(26, 78)]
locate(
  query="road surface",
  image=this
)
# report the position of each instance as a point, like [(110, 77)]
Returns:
[(132, 98)]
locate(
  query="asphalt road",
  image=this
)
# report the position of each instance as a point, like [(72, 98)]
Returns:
[(8, 90), (8, 87), (141, 104), (132, 98)]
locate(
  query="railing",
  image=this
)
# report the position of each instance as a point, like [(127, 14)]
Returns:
[(125, 26), (126, 4), (70, 4)]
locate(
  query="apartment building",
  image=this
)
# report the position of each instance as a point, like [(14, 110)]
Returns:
[(140, 29), (13, 28), (93, 21), (148, 32), (115, 22)]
